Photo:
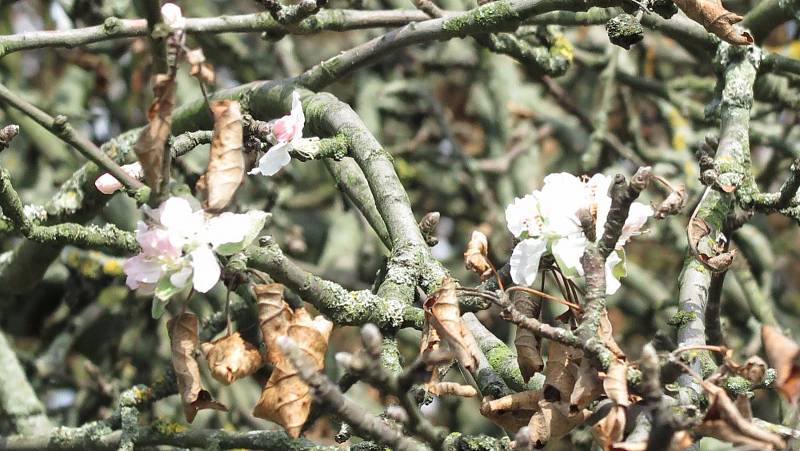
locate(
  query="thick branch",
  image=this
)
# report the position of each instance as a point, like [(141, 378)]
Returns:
[(18, 401), (91, 236), (341, 306)]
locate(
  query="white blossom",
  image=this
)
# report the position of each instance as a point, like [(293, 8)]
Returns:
[(546, 221), (179, 246)]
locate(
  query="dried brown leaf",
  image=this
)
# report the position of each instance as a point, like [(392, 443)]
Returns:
[(286, 399), (587, 387), (183, 342), (754, 369), (231, 358), (607, 335), (428, 225), (429, 345), (716, 19), (451, 389), (673, 204), (476, 257), (560, 372), (609, 429), (226, 160), (150, 146), (512, 412), (615, 383), (551, 423), (274, 317), (527, 344), (199, 67), (442, 311), (723, 421), (783, 354)]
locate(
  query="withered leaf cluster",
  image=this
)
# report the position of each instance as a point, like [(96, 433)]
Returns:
[(286, 398), (443, 321), (183, 341)]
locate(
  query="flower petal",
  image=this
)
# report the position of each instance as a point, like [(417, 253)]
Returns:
[(205, 268), (561, 197), (141, 270), (523, 216), (230, 233), (525, 260), (180, 278), (615, 269), (272, 161), (637, 216), (568, 252), (173, 212)]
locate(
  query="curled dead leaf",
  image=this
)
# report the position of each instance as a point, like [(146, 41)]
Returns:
[(274, 318), (451, 389), (512, 412), (199, 67), (442, 311), (783, 354), (716, 19), (711, 254), (609, 430), (428, 225), (286, 398), (560, 372), (587, 387), (150, 147), (754, 369), (226, 160), (673, 204), (231, 358), (429, 346), (476, 257), (183, 342), (724, 421), (526, 342), (550, 423), (615, 383), (606, 332)]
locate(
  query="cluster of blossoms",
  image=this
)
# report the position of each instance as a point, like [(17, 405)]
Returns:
[(179, 245), (547, 221), (286, 134)]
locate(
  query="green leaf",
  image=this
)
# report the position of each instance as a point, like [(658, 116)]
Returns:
[(620, 270), (165, 289), (158, 307)]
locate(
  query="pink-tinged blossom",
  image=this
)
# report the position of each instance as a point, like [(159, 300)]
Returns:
[(546, 221), (108, 184), (179, 246), (285, 134)]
